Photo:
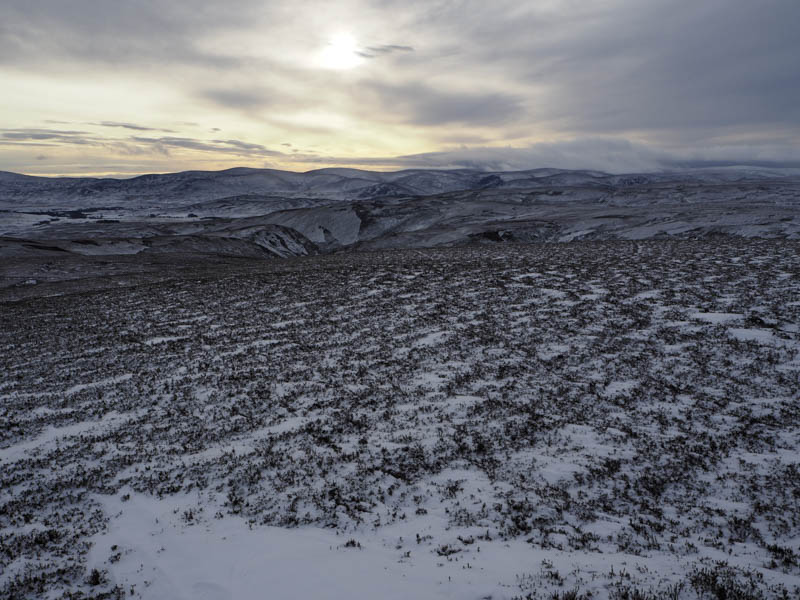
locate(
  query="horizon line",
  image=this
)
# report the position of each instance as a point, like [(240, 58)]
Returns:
[(673, 167)]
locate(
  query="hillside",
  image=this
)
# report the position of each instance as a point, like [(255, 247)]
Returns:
[(245, 212)]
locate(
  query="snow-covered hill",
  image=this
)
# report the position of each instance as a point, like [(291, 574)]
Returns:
[(169, 191), (334, 209)]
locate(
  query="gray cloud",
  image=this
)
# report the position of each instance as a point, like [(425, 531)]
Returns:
[(248, 147), (120, 32), (132, 145), (132, 126), (422, 105), (217, 146), (602, 154), (245, 99), (678, 68), (708, 66), (35, 133), (13, 143), (611, 155), (375, 51)]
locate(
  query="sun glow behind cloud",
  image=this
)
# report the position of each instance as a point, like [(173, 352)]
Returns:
[(340, 53)]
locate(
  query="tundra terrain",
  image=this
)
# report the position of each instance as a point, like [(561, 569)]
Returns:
[(594, 419)]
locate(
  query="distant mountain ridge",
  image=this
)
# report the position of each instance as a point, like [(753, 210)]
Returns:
[(170, 190)]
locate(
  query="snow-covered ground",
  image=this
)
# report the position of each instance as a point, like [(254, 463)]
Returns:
[(593, 419), (221, 213)]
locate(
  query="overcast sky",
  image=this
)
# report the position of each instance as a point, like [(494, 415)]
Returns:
[(130, 86)]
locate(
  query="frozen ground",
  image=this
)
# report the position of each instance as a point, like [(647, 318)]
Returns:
[(594, 419)]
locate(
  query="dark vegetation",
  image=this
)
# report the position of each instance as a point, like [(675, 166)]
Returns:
[(576, 396)]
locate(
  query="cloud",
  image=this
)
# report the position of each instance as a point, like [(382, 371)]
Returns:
[(133, 145), (375, 51), (49, 137), (216, 146), (677, 69), (131, 126), (248, 147), (237, 98), (120, 32), (674, 69), (602, 154), (611, 155), (38, 134), (420, 104)]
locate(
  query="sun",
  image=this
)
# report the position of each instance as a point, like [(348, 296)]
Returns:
[(341, 52)]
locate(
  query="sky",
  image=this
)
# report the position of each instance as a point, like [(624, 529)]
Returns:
[(123, 87)]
